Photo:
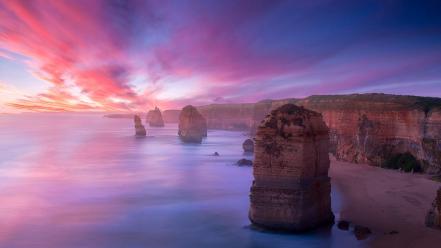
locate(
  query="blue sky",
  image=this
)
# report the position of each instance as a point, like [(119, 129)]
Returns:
[(132, 55)]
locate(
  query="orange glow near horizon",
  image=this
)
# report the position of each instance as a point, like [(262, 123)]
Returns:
[(135, 55)]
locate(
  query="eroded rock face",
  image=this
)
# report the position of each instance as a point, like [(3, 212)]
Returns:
[(364, 128), (433, 217), (248, 145), (192, 125), (375, 128), (291, 188), (139, 128), (171, 115), (228, 116), (154, 118)]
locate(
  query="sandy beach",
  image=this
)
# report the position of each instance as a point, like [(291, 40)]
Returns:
[(385, 201)]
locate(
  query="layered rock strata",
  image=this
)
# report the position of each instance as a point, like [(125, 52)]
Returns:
[(364, 128), (192, 125), (291, 188), (139, 128), (154, 118), (433, 218)]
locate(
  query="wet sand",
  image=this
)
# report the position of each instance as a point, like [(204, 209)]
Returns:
[(385, 201)]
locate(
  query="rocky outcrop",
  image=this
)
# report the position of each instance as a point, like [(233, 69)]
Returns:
[(192, 125), (139, 128), (362, 232), (291, 188), (343, 225), (364, 128), (244, 162), (433, 217), (154, 118), (248, 145)]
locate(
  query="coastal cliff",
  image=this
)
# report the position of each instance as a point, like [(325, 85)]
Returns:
[(171, 115), (364, 128), (228, 116)]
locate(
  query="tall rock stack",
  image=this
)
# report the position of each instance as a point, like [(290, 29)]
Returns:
[(139, 128), (291, 188), (192, 125), (154, 118)]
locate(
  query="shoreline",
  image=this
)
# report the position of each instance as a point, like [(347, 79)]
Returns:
[(385, 201)]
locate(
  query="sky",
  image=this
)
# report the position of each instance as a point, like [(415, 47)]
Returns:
[(114, 55)]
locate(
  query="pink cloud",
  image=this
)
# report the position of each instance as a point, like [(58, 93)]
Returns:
[(233, 50), (68, 41)]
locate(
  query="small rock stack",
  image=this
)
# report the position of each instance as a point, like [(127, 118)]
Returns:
[(291, 188), (154, 118), (192, 125), (433, 217), (139, 128), (248, 145)]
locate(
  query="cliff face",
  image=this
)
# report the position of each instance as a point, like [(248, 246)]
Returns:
[(291, 188), (228, 116), (364, 128), (171, 115), (373, 128)]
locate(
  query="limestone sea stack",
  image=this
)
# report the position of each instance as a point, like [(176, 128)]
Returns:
[(291, 188), (248, 145), (139, 128), (192, 125), (433, 217), (154, 118)]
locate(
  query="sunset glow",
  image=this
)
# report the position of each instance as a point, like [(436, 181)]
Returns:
[(132, 55)]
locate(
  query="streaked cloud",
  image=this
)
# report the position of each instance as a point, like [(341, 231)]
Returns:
[(132, 55)]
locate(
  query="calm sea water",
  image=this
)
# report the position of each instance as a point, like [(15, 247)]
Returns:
[(85, 181)]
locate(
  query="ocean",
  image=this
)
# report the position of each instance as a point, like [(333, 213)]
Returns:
[(82, 180)]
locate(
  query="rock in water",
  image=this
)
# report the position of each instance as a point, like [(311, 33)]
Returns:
[(248, 145), (154, 118), (433, 217), (362, 232), (192, 125), (244, 162), (139, 128), (291, 188), (343, 225)]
